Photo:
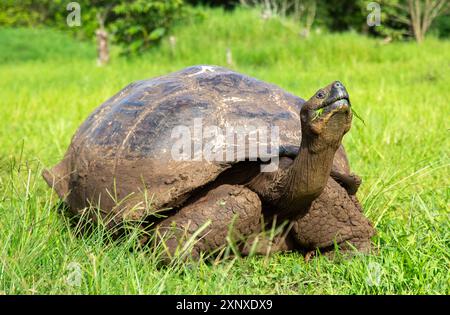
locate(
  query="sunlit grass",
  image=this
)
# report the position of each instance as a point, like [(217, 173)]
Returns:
[(49, 83)]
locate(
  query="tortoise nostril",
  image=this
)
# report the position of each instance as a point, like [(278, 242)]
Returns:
[(338, 91)]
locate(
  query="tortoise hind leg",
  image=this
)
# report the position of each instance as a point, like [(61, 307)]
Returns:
[(224, 213), (333, 218)]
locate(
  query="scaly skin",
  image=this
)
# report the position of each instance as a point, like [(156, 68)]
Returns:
[(233, 211), (334, 216)]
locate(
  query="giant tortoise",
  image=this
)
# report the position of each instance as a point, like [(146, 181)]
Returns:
[(186, 142)]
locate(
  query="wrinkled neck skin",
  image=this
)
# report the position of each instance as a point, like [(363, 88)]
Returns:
[(307, 176), (290, 191)]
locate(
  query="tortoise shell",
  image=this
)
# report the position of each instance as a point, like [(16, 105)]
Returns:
[(121, 159)]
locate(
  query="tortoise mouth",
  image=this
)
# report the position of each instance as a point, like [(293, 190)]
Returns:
[(336, 101), (343, 102), (332, 106)]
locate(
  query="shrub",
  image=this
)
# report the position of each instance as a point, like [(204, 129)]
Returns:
[(138, 24), (134, 24)]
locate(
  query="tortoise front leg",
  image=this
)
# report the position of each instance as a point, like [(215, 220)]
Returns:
[(225, 213), (335, 217)]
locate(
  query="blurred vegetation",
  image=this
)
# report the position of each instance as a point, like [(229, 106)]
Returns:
[(345, 15), (139, 23), (396, 19), (136, 25)]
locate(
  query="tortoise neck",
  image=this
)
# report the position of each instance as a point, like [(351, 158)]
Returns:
[(308, 174)]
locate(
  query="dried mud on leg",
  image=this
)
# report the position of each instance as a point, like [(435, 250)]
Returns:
[(226, 213), (334, 218)]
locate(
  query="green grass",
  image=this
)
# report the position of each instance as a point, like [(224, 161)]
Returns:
[(49, 83)]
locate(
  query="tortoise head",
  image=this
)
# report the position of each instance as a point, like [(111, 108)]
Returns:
[(327, 116)]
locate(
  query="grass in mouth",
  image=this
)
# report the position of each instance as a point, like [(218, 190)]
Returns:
[(358, 116), (318, 113)]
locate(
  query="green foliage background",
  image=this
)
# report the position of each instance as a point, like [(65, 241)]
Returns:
[(137, 25)]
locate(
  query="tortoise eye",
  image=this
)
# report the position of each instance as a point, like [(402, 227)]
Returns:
[(320, 94)]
